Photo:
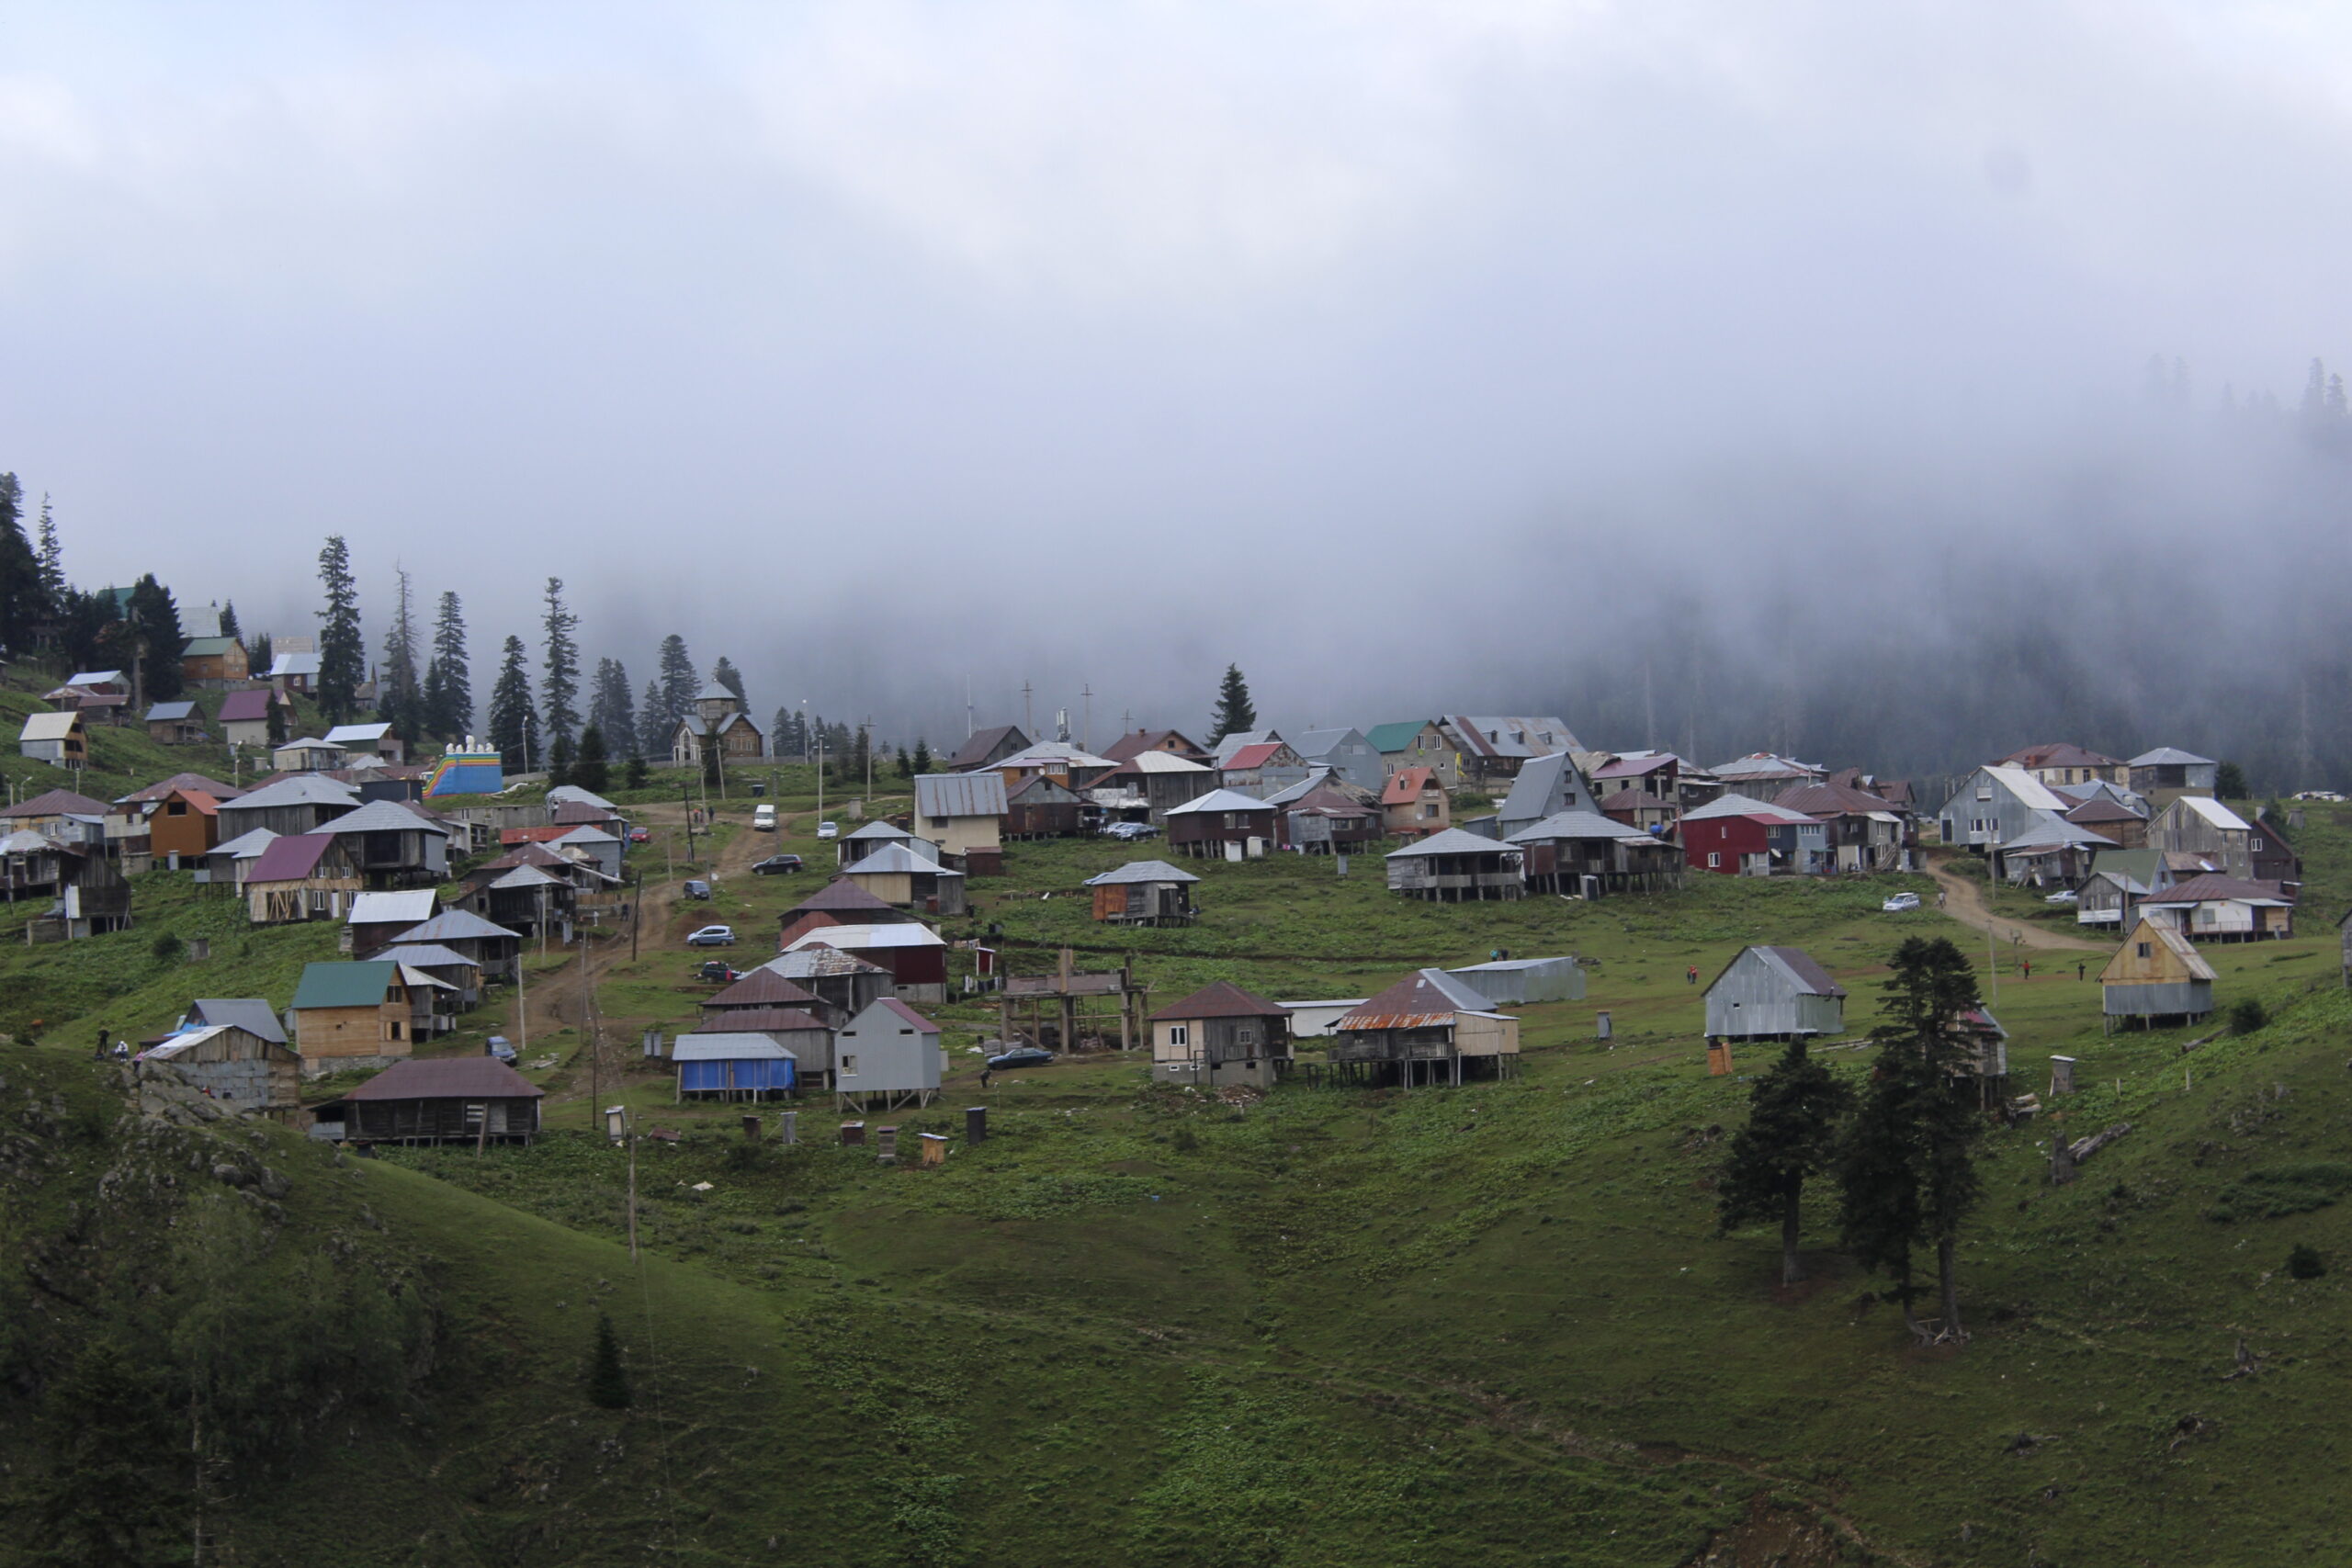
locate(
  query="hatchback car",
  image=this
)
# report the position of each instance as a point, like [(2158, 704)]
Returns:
[(1130, 831), (713, 936), (1899, 902), (1020, 1056), (776, 866), (640, 835), (828, 829), (697, 890)]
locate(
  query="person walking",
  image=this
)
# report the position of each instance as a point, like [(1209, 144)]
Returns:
[(1690, 975), (2078, 968), (984, 1076)]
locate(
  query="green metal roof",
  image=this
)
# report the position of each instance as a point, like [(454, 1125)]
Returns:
[(345, 985), (1393, 737), (208, 647)]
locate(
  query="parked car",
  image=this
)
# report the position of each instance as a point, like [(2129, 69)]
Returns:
[(697, 890), (640, 835), (499, 1046), (828, 829), (1131, 830), (776, 866), (2064, 895), (1899, 902), (713, 936), (713, 969), (764, 819), (1020, 1056)]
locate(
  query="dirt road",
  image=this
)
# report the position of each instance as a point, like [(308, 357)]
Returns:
[(1965, 902)]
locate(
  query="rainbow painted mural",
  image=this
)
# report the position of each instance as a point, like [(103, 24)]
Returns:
[(465, 773)]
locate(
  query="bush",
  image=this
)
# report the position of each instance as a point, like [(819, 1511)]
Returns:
[(167, 948), (2247, 1015), (607, 1380), (2282, 1191), (2304, 1263)]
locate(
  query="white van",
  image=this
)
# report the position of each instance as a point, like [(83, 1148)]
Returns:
[(764, 819)]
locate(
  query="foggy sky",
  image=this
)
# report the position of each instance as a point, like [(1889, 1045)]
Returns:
[(1411, 356)]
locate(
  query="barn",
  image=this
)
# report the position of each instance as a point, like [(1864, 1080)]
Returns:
[(1774, 993)]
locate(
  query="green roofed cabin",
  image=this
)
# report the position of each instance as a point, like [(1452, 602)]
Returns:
[(351, 1015)]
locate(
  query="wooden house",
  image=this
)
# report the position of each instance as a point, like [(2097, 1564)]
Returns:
[(1774, 993), (2156, 978), (1655, 772), (1867, 833), (391, 846), (1414, 743), (886, 1057), (734, 1066), (61, 739), (254, 719), (1346, 755), (2166, 774), (962, 813), (526, 899), (252, 1014), (1413, 804), (1221, 817), (593, 847), (375, 740), (1158, 781), (293, 669), (1641, 811), (2111, 820), (1492, 749), (2119, 880), (2272, 853), (1070, 766), (376, 919), (1583, 853), (913, 955), (457, 972), (2064, 762), (186, 823), (497, 949), (300, 877), (93, 897), (1145, 893), (1261, 768), (841, 902), (210, 663), (1736, 836), (2053, 852), (62, 815), (851, 848), (764, 990), (898, 876), (1042, 809), (1174, 743), (288, 806), (234, 1067), (1220, 1034), (351, 1015), (1544, 786), (2223, 909), (1330, 818), (230, 860), (1428, 1028), (847, 984), (30, 864), (307, 754), (986, 748), (1993, 804), (175, 724), (1455, 865), (717, 718), (453, 1099), (2199, 825)]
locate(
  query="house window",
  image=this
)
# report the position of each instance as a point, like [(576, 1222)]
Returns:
[(1984, 792), (396, 1029), (849, 1064), (1180, 1035), (2146, 949), (1245, 1035), (1237, 819), (939, 821), (1427, 810), (2257, 846), (2206, 914), (1715, 860)]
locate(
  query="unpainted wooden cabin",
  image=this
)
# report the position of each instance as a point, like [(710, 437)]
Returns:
[(1221, 1034), (1774, 993), (2156, 978), (233, 1065), (456, 1100)]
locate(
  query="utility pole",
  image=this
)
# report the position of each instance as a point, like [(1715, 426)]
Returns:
[(866, 731), (1028, 720), (1086, 731), (967, 705)]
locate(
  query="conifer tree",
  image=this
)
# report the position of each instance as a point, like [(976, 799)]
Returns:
[(591, 770), (432, 699), (635, 775), (259, 657), (229, 627), (399, 700), (652, 734), (154, 625), (50, 556), (1234, 714), (904, 764), (510, 707), (607, 1379), (343, 655), (559, 761), (453, 714), (611, 708), (923, 755), (725, 674), (559, 687), (20, 576), (676, 672), (1792, 1119)]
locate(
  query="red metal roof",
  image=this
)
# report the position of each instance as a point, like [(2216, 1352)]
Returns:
[(2212, 888), (1405, 786), (1256, 756)]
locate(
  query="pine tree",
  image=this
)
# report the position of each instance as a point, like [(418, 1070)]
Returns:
[(2229, 783), (343, 655), (611, 708), (51, 556), (904, 764), (607, 1379), (20, 579), (653, 735), (1234, 712), (259, 657), (559, 761), (398, 701), (724, 673), (229, 627), (1792, 1118), (432, 699), (560, 689), (678, 685), (154, 625), (591, 769), (635, 775), (510, 707), (923, 755), (1906, 1169), (453, 716)]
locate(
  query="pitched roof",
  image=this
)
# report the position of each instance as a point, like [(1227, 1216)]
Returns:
[(293, 857), (447, 1078), (1405, 786), (907, 933), (1764, 765), (977, 747), (1831, 800), (2050, 832), (2214, 812), (879, 830), (899, 860), (56, 803), (1425, 999), (2213, 888), (204, 804), (1459, 842), (569, 795), (1636, 766), (49, 726), (2176, 942), (413, 906), (1498, 736), (208, 647), (524, 877), (1745, 806), (252, 1014), (163, 787), (1797, 967), (732, 1044), (424, 955), (1141, 871), (165, 712), (1388, 737), (246, 846), (1220, 800), (838, 896), (1147, 762), (1636, 800), (761, 989), (298, 789), (2059, 754), (382, 816), (284, 664), (245, 706), (2102, 808), (1222, 998), (816, 960), (346, 734), (347, 984), (1127, 747), (959, 794), (1581, 825), (1256, 756), (457, 925), (2169, 757), (1317, 743), (891, 1007), (94, 678)]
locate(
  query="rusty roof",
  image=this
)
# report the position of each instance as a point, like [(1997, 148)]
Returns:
[(1426, 999)]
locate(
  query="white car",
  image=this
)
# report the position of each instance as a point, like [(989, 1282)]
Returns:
[(2064, 895), (828, 829), (1897, 903)]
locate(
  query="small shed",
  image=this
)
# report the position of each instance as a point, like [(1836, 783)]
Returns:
[(2156, 977), (1515, 982), (732, 1067), (1220, 1034), (1222, 817), (57, 738), (175, 724), (241, 1070), (1455, 865), (375, 739), (1774, 993), (885, 1058), (1145, 893), (306, 754), (452, 1099), (351, 1015)]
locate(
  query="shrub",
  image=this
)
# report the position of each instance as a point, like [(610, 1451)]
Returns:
[(607, 1380), (2282, 1191), (166, 948), (2248, 1014), (2305, 1263)]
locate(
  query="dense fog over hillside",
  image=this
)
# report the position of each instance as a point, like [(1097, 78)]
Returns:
[(1718, 378)]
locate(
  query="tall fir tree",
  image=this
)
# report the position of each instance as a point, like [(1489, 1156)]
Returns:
[(591, 769), (510, 709), (453, 714), (400, 701), (653, 735), (611, 709), (1235, 713), (229, 627), (560, 760), (923, 755), (261, 655), (1906, 1168), (20, 590), (724, 673), (559, 685), (51, 555), (432, 699), (676, 672), (1794, 1113), (343, 655), (156, 640)]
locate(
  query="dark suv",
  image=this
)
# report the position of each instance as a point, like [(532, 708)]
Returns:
[(776, 866)]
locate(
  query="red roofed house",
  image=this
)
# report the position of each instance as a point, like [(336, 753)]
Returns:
[(1221, 1034), (2064, 762), (1413, 804), (301, 876), (255, 717), (1127, 747), (2223, 909), (1264, 767)]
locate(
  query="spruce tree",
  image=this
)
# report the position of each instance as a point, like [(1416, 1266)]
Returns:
[(591, 768), (725, 674), (559, 687), (432, 699), (611, 709), (399, 699), (453, 714), (653, 735), (923, 755), (229, 627), (559, 762), (678, 685), (1234, 713), (1793, 1113), (635, 775), (1906, 1169), (510, 707), (607, 1379), (343, 655), (50, 557), (904, 764), (20, 577), (154, 629), (260, 656)]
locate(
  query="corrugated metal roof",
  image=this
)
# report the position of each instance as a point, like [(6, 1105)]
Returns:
[(54, 803), (1491, 735), (1746, 806), (1810, 975), (2169, 757), (368, 733), (572, 794), (358, 985), (299, 789), (252, 1014), (2214, 812), (2213, 888), (816, 960), (372, 909), (2057, 834), (838, 896), (1141, 871), (164, 713), (426, 956), (891, 1008), (1426, 999), (1405, 786), (762, 988), (447, 1077), (1222, 998), (1256, 756), (2058, 754), (246, 846), (734, 1046), (49, 726), (1221, 800), (897, 860), (245, 706), (780, 1019), (94, 678), (1581, 825), (294, 857), (1162, 763), (960, 795), (908, 935), (1396, 737), (873, 830), (382, 816), (457, 925), (1456, 842)]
